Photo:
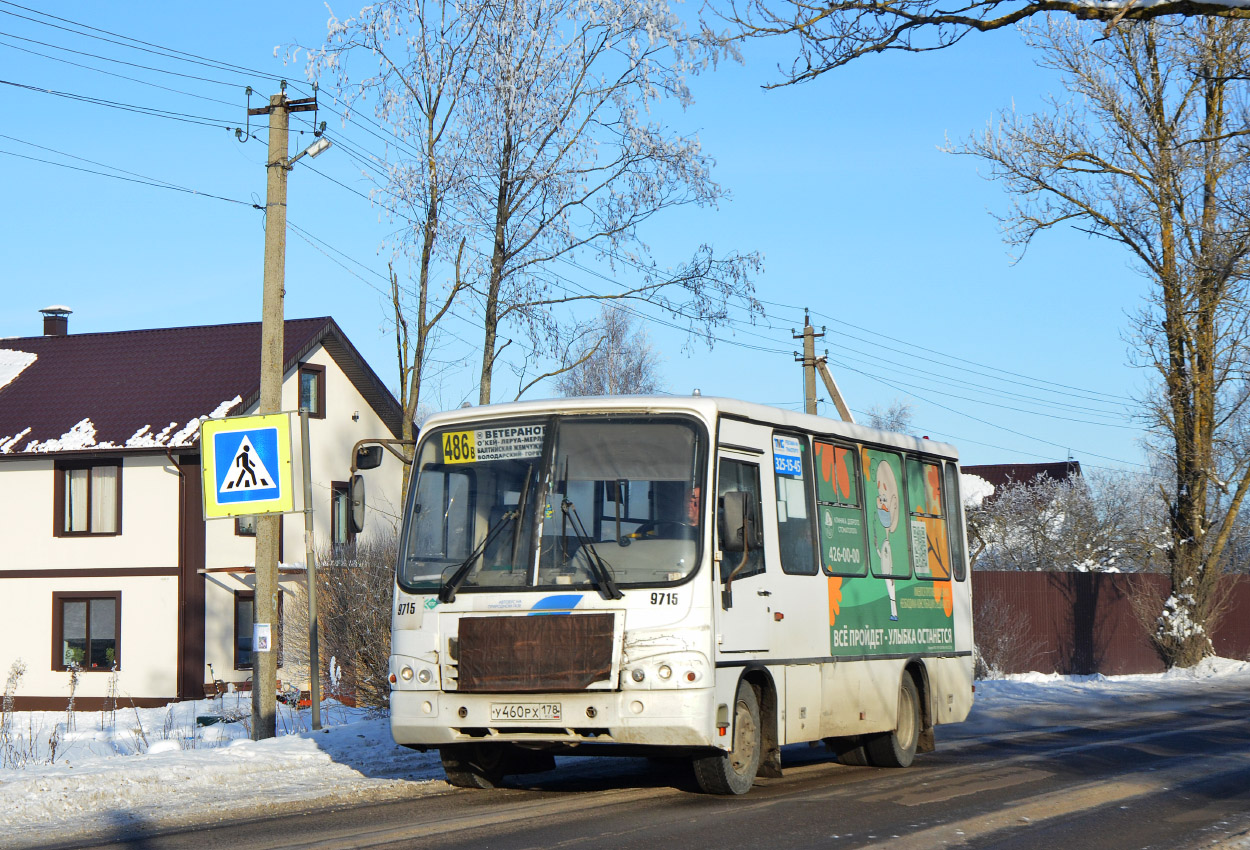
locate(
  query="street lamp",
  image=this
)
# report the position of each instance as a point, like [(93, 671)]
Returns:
[(314, 150)]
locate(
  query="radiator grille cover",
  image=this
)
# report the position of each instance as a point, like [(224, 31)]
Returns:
[(567, 652)]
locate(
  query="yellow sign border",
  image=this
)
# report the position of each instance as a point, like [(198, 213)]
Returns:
[(285, 501)]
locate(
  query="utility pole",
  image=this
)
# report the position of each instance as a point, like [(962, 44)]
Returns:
[(812, 363), (268, 526), (808, 360)]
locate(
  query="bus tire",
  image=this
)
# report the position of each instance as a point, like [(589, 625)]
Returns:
[(474, 765), (734, 772), (898, 748), (849, 750)]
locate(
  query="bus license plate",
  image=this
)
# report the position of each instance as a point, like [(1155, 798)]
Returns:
[(525, 711)]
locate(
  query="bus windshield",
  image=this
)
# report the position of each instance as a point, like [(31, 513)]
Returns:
[(590, 502)]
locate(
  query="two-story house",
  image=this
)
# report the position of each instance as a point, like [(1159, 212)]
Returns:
[(106, 560)]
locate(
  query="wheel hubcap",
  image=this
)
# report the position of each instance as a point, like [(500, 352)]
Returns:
[(906, 718), (744, 738)]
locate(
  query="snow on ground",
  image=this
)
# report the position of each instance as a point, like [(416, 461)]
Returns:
[(155, 768)]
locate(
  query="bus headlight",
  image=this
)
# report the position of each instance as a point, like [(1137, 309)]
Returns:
[(406, 674), (665, 671), (425, 676)]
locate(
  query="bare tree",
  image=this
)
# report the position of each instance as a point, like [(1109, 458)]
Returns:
[(412, 60), (896, 417), (617, 359), (571, 162), (1148, 154), (831, 33)]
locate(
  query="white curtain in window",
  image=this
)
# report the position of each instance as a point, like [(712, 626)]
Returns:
[(104, 499), (77, 485)]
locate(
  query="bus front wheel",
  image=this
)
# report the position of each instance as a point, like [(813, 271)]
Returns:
[(474, 765), (734, 772), (898, 748)]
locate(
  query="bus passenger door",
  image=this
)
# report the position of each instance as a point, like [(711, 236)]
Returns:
[(744, 614)]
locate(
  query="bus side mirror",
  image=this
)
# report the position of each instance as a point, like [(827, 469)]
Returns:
[(368, 457), (356, 498)]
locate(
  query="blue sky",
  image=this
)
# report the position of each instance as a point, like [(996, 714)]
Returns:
[(839, 183)]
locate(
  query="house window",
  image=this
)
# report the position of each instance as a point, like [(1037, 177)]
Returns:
[(244, 620), (86, 630), (245, 526), (312, 390), (88, 498), (340, 511)]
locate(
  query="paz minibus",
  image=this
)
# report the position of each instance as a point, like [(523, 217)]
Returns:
[(694, 577)]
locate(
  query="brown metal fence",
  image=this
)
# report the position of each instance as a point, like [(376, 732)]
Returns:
[(1081, 623)]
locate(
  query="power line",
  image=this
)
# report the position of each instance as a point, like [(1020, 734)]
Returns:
[(125, 107), (107, 59), (140, 179), (140, 45)]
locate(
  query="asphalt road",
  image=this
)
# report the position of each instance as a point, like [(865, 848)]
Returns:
[(1174, 774)]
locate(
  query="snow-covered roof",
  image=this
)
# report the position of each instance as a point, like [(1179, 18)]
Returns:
[(151, 388)]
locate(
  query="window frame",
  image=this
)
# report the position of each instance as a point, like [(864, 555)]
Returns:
[(239, 531), (320, 373), (904, 512), (60, 492), (59, 597), (855, 450), (727, 557), (808, 478), (919, 461), (343, 489), (249, 594), (955, 529)]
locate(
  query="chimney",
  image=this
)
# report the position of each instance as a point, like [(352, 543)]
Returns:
[(56, 320)]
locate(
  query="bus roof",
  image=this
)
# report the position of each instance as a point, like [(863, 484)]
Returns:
[(709, 408)]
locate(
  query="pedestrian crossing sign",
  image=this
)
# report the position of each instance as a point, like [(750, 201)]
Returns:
[(246, 465)]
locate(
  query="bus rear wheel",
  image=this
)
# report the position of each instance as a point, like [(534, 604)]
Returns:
[(734, 772), (898, 748), (475, 765)]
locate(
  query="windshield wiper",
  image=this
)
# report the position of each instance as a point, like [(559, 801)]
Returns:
[(447, 593), (598, 567)]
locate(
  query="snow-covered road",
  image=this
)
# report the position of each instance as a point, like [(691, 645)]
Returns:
[(159, 769)]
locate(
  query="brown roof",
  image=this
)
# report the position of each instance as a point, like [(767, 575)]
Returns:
[(126, 380), (1000, 474)]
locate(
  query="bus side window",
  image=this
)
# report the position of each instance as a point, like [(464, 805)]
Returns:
[(792, 474), (738, 476), (929, 550), (888, 533), (955, 512), (840, 511)]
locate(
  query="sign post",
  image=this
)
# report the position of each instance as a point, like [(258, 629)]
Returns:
[(314, 658), (246, 470)]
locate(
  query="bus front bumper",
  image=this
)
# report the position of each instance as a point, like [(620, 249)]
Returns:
[(675, 718)]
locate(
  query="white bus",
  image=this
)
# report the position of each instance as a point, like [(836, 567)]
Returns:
[(694, 577)]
